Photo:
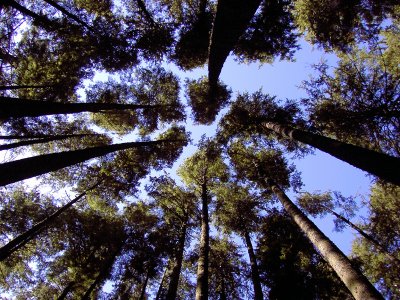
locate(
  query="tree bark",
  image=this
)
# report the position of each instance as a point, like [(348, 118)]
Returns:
[(177, 265), (231, 20), (367, 236), (379, 164), (204, 248), (31, 233), (66, 290), (39, 141), (105, 270), (144, 287), (43, 136), (68, 14), (45, 22), (33, 166), (255, 276), (18, 87), (17, 108), (161, 289), (355, 281)]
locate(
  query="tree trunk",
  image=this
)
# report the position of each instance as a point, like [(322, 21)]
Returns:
[(66, 290), (202, 266), (33, 166), (177, 265), (144, 287), (231, 20), (222, 294), (31, 233), (17, 108), (41, 20), (355, 281), (39, 141), (382, 165), (146, 13), (43, 136), (161, 289), (255, 276), (105, 270), (18, 87), (68, 14), (367, 236)]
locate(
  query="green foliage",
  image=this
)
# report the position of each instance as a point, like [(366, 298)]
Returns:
[(384, 225), (206, 102)]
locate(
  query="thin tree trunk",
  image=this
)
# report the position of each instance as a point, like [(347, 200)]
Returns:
[(255, 276), (39, 141), (68, 14), (231, 20), (160, 290), (382, 165), (355, 281), (146, 13), (144, 287), (177, 265), (43, 136), (45, 22), (31, 233), (18, 87), (33, 166), (105, 270), (367, 236), (202, 266), (17, 108), (66, 290), (222, 295)]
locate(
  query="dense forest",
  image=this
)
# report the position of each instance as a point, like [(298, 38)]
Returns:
[(90, 208)]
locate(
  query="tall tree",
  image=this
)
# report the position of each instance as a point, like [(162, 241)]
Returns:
[(201, 172), (268, 169)]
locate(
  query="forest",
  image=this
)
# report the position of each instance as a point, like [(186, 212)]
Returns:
[(105, 194)]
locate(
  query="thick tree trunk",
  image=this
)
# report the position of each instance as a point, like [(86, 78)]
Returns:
[(28, 235), (355, 281), (367, 236), (177, 265), (382, 165), (41, 20), (144, 287), (231, 21), (39, 141), (66, 290), (202, 266), (255, 276), (18, 108), (33, 166)]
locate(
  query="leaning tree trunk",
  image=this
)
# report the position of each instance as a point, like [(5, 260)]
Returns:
[(161, 287), (33, 166), (231, 20), (41, 20), (16, 108), (204, 248), (30, 234), (68, 14), (367, 236), (66, 290), (18, 87), (41, 141), (144, 287), (177, 265), (43, 136), (255, 276), (355, 281), (104, 271), (382, 165)]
